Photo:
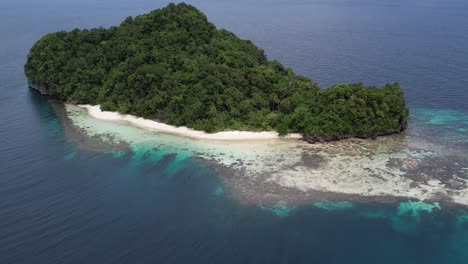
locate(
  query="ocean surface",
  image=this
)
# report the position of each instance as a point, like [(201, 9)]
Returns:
[(63, 203)]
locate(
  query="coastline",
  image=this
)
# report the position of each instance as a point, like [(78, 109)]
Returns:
[(274, 171), (228, 135), (151, 125)]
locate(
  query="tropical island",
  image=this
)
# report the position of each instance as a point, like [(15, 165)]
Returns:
[(174, 66)]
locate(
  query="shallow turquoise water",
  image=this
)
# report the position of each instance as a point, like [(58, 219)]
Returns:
[(451, 120), (174, 208), (334, 206), (280, 210)]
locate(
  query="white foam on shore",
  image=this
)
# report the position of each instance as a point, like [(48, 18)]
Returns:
[(96, 112)]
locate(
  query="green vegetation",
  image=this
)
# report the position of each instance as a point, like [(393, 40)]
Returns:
[(174, 66)]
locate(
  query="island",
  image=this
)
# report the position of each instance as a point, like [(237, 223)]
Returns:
[(173, 66)]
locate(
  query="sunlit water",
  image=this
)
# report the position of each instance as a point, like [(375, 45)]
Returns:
[(61, 202)]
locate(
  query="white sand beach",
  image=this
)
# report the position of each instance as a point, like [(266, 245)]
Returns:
[(96, 112), (262, 168)]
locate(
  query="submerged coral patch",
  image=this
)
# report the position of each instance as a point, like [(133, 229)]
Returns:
[(334, 206), (414, 208), (70, 156), (286, 170), (462, 218), (448, 118), (218, 191), (280, 209)]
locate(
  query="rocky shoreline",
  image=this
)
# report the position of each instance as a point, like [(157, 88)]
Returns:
[(41, 88)]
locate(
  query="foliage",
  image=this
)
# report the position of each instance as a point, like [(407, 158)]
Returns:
[(174, 66)]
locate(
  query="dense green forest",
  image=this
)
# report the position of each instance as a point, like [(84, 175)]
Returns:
[(174, 66)]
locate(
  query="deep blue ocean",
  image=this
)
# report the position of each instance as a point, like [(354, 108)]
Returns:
[(63, 204)]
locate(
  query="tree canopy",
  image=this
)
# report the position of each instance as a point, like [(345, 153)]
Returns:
[(174, 66)]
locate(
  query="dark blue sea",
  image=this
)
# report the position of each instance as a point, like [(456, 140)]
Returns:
[(60, 203)]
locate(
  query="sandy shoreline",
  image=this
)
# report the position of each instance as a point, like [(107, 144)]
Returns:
[(259, 168), (95, 111)]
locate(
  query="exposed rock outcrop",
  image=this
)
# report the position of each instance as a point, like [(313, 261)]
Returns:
[(40, 87)]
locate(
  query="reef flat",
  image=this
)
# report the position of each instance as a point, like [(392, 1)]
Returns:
[(291, 171)]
